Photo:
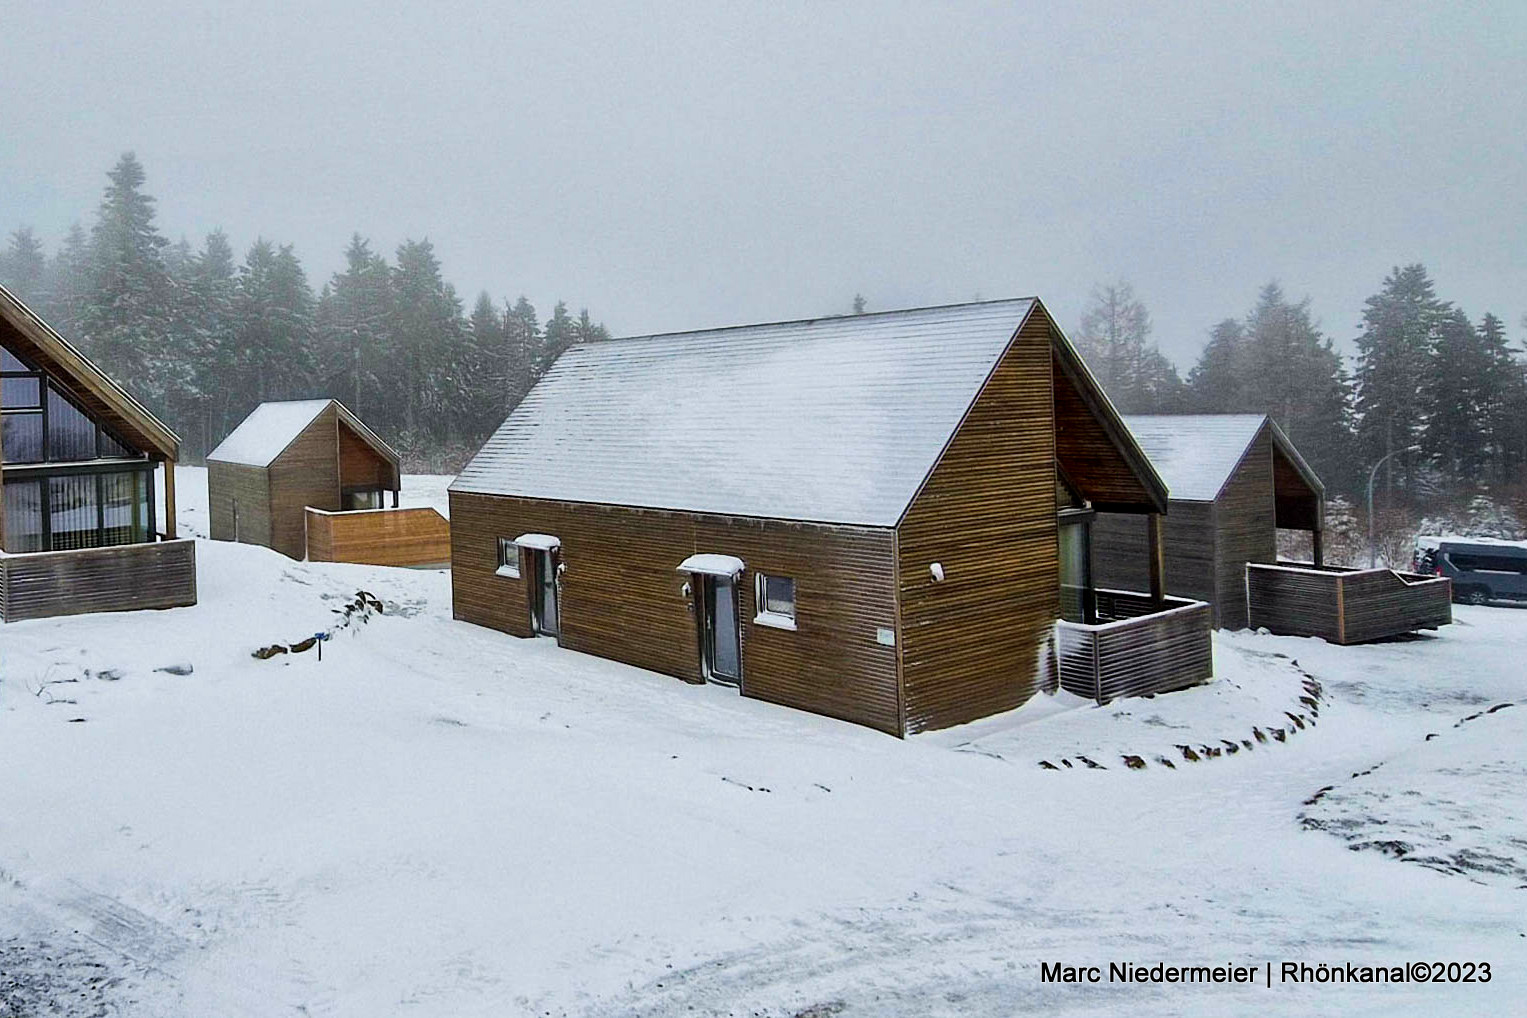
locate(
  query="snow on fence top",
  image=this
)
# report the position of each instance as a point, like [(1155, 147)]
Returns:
[(1195, 454), (834, 420), (267, 431)]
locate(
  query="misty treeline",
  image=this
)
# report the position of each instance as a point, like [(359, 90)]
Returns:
[(1426, 378), (202, 336)]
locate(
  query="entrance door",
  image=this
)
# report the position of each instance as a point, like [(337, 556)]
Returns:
[(543, 605), (721, 646)]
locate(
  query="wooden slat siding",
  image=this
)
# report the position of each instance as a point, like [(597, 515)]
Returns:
[(1246, 528), (971, 644), (1298, 507), (1380, 603), (1346, 606), (1121, 560), (621, 596), (380, 537), (1294, 602), (305, 474), (250, 487), (1153, 652), (125, 577), (1085, 451), (359, 464)]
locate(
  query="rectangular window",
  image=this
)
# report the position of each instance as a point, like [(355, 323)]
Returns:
[(508, 558), (23, 516), (22, 439), (21, 392), (71, 435), (124, 507), (74, 512), (776, 601), (363, 498)]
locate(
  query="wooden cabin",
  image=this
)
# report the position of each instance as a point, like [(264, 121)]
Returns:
[(1235, 480), (870, 517), (288, 456), (82, 529)]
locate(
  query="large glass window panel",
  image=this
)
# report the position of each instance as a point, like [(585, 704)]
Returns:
[(23, 393), (21, 437), (10, 362), (23, 516), (74, 511), (111, 448), (1075, 570), (71, 435), (124, 507)]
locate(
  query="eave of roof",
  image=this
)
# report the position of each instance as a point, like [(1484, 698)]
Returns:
[(67, 360)]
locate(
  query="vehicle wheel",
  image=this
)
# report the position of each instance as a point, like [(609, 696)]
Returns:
[(1476, 595)]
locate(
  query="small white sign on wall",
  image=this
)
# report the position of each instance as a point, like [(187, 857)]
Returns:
[(885, 637)]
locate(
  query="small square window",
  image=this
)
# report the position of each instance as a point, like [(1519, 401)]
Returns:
[(776, 601), (508, 558), (363, 498)]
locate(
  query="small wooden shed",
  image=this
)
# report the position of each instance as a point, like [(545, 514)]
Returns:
[(288, 456), (1234, 481)]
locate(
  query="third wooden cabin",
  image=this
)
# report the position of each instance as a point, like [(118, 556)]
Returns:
[(1234, 481)]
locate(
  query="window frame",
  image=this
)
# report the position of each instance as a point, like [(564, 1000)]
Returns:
[(763, 614), (508, 559)]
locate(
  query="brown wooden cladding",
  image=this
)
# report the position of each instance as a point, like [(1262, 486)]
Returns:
[(125, 577), (1087, 453), (1207, 543), (1245, 530), (360, 465), (1121, 559), (230, 484), (381, 537), (1298, 505), (305, 474), (621, 595), (1346, 606), (971, 644), (1144, 650)]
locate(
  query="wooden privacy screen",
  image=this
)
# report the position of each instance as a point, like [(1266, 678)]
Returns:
[(1147, 647), (379, 537), (1345, 605), (125, 577)]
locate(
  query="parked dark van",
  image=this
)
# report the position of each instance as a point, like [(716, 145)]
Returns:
[(1480, 571)]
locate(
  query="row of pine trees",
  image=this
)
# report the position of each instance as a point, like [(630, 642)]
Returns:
[(1446, 395), (202, 337)]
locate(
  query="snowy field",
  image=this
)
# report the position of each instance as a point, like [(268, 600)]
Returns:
[(437, 819)]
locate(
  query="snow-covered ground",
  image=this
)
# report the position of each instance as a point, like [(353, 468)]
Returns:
[(437, 819)]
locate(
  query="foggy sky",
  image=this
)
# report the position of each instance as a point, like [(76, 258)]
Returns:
[(690, 166)]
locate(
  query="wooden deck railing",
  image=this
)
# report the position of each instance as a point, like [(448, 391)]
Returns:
[(1345, 605), (379, 537), (1138, 646), (125, 577)]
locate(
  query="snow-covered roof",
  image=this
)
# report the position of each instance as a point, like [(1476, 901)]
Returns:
[(271, 427), (538, 542), (834, 420), (1195, 454)]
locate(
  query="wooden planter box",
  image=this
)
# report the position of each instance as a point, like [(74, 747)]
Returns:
[(1345, 605), (126, 577), (1137, 647), (379, 537)]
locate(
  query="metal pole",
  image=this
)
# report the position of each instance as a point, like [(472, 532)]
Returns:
[(1372, 547)]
